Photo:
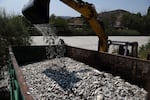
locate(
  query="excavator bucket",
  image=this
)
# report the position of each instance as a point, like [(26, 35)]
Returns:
[(37, 11)]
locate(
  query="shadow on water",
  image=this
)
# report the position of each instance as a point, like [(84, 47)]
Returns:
[(64, 78)]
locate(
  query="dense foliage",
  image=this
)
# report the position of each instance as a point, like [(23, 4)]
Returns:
[(144, 50), (13, 32), (63, 28), (60, 24), (138, 22)]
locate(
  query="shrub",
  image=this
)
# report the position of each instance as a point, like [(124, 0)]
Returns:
[(144, 50), (13, 32)]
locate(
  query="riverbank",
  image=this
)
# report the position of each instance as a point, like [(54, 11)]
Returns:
[(91, 42)]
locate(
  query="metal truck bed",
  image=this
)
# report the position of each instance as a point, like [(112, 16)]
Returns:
[(134, 70)]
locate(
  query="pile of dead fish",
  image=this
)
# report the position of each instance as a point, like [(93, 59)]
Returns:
[(66, 79)]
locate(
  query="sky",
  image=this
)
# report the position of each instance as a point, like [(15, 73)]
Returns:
[(60, 9)]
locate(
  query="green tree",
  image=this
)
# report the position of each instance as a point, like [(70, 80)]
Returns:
[(147, 21), (138, 22), (18, 32), (60, 24), (148, 11), (144, 50), (13, 32), (52, 19)]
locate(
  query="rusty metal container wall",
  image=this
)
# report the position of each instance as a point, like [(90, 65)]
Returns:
[(134, 70), (20, 77), (27, 54)]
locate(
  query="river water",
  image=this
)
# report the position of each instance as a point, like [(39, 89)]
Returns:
[(91, 42)]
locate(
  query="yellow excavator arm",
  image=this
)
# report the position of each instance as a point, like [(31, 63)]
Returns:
[(38, 7), (89, 12)]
